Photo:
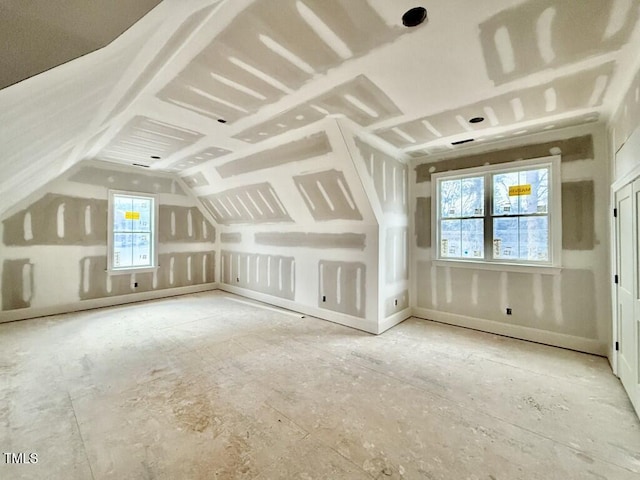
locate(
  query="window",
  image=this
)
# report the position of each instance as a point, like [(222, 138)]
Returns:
[(132, 232), (500, 214)]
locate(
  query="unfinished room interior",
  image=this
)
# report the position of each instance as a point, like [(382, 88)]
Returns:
[(320, 239)]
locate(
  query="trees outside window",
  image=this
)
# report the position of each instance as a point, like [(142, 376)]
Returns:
[(499, 214), (132, 231)]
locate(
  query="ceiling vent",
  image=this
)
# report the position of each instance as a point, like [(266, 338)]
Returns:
[(460, 142)]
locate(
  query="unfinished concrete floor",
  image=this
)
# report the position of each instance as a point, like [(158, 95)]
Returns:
[(208, 387)]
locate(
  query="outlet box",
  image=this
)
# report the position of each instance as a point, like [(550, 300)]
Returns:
[(324, 298), (509, 312), (237, 279), (135, 284), (395, 302)]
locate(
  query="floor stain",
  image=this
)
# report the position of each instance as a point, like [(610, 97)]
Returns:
[(193, 411), (237, 462)]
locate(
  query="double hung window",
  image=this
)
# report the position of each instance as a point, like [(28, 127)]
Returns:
[(499, 214), (132, 232)]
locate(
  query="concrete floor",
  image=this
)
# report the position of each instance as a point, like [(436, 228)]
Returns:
[(206, 387)]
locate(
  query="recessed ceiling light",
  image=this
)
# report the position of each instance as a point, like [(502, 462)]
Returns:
[(476, 120), (414, 17), (222, 120), (460, 142)]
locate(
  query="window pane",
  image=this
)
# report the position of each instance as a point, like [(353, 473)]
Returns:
[(450, 239), (141, 249), (534, 238), (538, 200), (450, 198), (532, 197), (141, 214), (472, 197), (122, 205), (505, 238), (122, 250), (473, 238), (503, 203)]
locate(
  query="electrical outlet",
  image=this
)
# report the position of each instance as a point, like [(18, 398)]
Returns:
[(135, 284), (395, 302), (237, 279), (324, 298), (509, 311)]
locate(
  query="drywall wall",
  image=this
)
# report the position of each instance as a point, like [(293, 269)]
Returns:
[(296, 226), (624, 143), (54, 243), (385, 177), (624, 128), (570, 307)]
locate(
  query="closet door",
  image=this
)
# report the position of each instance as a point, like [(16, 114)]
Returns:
[(628, 292)]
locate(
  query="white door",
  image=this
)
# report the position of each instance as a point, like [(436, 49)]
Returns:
[(628, 221)]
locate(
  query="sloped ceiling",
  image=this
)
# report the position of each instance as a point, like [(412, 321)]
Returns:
[(36, 35), (158, 94)]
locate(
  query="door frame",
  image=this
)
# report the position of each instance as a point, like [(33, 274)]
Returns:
[(616, 186)]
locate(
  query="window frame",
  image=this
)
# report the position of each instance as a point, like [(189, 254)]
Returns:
[(110, 234), (487, 172)]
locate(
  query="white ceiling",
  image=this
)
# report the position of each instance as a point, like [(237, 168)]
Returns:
[(269, 67)]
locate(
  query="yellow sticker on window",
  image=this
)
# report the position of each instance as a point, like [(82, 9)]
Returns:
[(132, 215), (517, 190)]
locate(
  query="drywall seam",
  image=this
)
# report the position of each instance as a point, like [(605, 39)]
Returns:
[(125, 179), (313, 146), (576, 147), (360, 169), (24, 314), (56, 219), (197, 202), (318, 186), (311, 240), (571, 342), (339, 283), (578, 212), (422, 222), (230, 237), (14, 283)]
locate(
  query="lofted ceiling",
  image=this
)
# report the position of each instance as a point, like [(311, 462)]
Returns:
[(38, 35), (196, 80)]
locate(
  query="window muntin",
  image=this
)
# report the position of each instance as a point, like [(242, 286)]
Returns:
[(521, 215), (499, 214), (132, 232), (462, 218)]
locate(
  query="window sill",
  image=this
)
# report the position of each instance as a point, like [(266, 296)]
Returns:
[(500, 267), (129, 271)]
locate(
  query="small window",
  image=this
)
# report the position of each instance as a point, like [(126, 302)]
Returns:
[(132, 232), (500, 214)]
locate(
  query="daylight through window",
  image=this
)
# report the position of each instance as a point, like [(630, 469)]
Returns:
[(499, 214), (132, 232)]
